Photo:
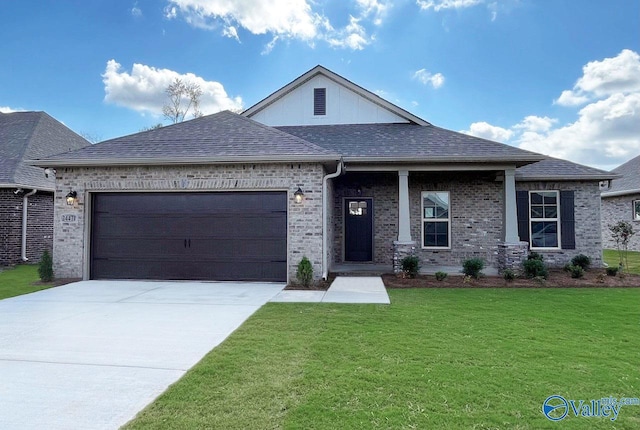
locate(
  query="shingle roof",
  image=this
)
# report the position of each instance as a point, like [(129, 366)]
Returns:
[(555, 169), (408, 142), (629, 183), (28, 135), (221, 137)]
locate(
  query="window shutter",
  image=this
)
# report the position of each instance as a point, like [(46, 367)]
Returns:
[(319, 101), (522, 205), (567, 220)]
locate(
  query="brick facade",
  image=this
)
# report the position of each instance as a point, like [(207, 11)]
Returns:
[(304, 220), (39, 226), (587, 221), (615, 209)]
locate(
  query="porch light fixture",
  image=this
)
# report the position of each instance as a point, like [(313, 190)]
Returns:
[(298, 195), (72, 198)]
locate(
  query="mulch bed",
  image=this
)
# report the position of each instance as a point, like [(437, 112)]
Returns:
[(58, 281), (594, 278)]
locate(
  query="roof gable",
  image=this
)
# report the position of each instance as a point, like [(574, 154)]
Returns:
[(346, 103), (224, 137), (629, 183), (27, 135)]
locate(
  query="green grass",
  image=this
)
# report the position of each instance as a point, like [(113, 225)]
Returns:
[(18, 280), (434, 359), (612, 258)]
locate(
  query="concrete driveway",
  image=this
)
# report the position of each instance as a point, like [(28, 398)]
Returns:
[(90, 355)]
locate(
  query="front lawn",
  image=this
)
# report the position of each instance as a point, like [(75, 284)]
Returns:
[(20, 280), (612, 258), (434, 358)]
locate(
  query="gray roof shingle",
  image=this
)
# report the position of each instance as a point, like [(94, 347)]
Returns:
[(629, 183), (408, 142), (221, 137), (554, 169), (28, 135)]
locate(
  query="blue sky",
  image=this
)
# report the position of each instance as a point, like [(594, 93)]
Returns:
[(560, 77)]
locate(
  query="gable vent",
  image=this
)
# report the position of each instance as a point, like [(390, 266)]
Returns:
[(319, 101)]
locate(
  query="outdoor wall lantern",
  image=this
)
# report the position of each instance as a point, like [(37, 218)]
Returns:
[(298, 195), (72, 198)]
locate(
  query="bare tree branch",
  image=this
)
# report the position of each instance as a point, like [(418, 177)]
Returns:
[(183, 97)]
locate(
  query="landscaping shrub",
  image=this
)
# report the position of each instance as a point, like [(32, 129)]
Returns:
[(508, 275), (410, 266), (441, 276), (582, 261), (534, 256), (534, 268), (473, 267), (305, 272), (576, 271), (612, 271), (45, 268)]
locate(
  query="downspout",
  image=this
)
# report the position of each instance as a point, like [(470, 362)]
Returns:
[(325, 218), (25, 205)]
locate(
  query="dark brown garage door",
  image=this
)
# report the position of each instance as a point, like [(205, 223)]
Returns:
[(195, 236)]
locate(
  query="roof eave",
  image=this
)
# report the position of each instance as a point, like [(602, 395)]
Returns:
[(25, 186), (532, 178), (620, 193), (163, 161), (520, 161)]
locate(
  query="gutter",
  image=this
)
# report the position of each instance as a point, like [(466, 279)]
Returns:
[(325, 218), (25, 205), (619, 193)]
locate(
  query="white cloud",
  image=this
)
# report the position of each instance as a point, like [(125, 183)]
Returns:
[(143, 89), (7, 109), (606, 132), (426, 78), (438, 5), (619, 74), (282, 20), (487, 131), (135, 10)]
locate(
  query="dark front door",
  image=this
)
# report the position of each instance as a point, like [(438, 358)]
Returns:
[(358, 230), (197, 236)]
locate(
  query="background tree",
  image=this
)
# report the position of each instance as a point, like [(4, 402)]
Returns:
[(621, 232), (183, 97)]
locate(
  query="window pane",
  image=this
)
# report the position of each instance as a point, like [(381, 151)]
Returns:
[(636, 210), (536, 198), (429, 212), (537, 212), (544, 234), (551, 212), (436, 205), (436, 234), (442, 227), (550, 198)]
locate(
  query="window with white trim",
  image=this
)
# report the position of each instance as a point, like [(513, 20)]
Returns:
[(544, 217), (636, 210), (436, 219)]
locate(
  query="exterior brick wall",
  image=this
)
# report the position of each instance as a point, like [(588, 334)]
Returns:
[(615, 209), (304, 220), (39, 226), (587, 221)]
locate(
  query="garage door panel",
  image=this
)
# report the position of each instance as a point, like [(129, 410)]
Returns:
[(205, 236)]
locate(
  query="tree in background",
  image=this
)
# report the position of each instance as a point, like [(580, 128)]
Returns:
[(183, 97), (621, 232)]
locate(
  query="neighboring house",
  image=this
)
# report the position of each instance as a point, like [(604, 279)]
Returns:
[(321, 168), (621, 202), (26, 194)]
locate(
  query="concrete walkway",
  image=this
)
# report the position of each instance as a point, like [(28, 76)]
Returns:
[(344, 289), (90, 355)]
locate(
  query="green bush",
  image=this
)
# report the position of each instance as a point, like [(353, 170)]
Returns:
[(441, 276), (473, 267), (305, 272), (576, 271), (508, 275), (410, 266), (534, 268), (612, 271), (534, 256), (582, 261), (45, 268)]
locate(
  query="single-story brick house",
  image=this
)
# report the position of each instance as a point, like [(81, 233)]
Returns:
[(26, 194), (321, 168), (621, 202)]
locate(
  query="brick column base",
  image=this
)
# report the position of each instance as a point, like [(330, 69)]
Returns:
[(512, 255), (401, 250)]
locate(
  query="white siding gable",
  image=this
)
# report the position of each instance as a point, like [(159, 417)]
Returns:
[(344, 106)]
